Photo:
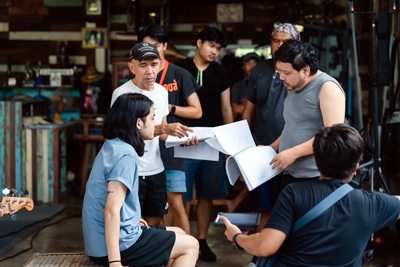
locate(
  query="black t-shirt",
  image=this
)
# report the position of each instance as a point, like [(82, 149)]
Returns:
[(238, 91), (337, 237), (214, 81), (266, 91), (180, 85)]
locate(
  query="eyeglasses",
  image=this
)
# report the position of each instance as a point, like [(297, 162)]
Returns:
[(278, 41)]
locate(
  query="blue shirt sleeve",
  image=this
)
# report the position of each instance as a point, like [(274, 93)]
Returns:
[(282, 213), (124, 171), (387, 208)]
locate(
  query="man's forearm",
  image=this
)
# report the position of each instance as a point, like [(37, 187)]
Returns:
[(160, 129), (262, 244), (303, 149), (248, 113), (275, 144), (250, 243)]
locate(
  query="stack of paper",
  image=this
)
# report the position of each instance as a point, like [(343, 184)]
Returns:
[(234, 139)]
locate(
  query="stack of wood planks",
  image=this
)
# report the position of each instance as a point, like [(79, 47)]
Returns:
[(32, 157)]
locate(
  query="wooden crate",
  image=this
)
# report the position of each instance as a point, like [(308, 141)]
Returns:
[(32, 158), (11, 145), (45, 171)]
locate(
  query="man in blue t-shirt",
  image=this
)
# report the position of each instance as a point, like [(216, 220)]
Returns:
[(340, 234)]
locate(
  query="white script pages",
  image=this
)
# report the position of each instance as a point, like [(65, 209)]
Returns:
[(247, 159), (233, 139), (253, 164), (202, 133), (201, 151)]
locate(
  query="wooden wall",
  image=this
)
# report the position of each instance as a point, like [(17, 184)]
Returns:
[(182, 20), (30, 17)]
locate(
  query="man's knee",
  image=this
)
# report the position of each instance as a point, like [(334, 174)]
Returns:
[(175, 199)]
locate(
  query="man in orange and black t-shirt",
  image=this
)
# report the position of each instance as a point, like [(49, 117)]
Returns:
[(183, 104)]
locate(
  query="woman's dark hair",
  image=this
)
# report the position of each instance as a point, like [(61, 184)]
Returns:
[(298, 54), (337, 150), (121, 119), (211, 34), (155, 32)]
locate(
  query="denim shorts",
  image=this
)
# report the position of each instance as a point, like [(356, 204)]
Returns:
[(176, 181), (209, 177)]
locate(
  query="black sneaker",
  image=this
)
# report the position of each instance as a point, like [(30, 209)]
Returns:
[(205, 252)]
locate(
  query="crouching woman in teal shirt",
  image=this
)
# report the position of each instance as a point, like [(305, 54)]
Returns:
[(113, 231)]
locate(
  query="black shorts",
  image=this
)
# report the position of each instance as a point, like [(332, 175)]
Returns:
[(153, 195), (152, 249), (261, 198)]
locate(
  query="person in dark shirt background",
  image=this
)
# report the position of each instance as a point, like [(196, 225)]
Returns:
[(214, 93)]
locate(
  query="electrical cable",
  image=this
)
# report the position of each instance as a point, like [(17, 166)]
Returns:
[(31, 224), (37, 232)]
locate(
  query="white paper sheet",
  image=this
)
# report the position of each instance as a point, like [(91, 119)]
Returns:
[(253, 164), (232, 170), (203, 133), (214, 143), (234, 137), (202, 151)]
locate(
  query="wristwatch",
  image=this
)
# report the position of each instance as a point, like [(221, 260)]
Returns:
[(234, 242), (173, 109)]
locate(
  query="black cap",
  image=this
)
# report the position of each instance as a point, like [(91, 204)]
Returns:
[(143, 50), (251, 55)]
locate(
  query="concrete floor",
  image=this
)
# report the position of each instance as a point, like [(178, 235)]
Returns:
[(66, 236)]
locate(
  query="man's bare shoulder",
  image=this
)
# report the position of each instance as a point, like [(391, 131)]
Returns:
[(331, 89)]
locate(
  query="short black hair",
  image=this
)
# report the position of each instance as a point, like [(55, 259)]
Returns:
[(337, 150), (211, 34), (121, 119), (298, 54), (155, 32)]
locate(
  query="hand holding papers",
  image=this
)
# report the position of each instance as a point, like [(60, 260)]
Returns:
[(235, 139), (247, 159), (253, 164), (201, 151), (202, 133)]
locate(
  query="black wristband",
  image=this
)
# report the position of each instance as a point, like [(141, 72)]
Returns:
[(234, 242), (173, 109), (114, 261)]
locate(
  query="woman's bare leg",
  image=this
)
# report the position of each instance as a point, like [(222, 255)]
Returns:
[(185, 251)]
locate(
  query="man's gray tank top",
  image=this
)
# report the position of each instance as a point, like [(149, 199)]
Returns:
[(303, 119)]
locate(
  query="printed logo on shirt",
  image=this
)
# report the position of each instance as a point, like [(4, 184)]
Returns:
[(171, 87)]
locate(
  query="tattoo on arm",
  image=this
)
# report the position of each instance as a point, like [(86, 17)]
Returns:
[(110, 192)]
